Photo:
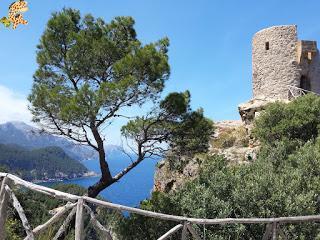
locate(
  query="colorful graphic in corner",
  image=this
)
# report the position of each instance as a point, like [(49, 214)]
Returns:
[(15, 14)]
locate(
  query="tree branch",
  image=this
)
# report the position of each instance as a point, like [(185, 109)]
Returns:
[(129, 168)]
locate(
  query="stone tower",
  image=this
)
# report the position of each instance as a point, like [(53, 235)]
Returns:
[(282, 65), (283, 68)]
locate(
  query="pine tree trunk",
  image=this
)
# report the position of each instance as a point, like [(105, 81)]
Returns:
[(106, 178)]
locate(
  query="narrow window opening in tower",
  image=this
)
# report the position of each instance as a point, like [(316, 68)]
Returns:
[(305, 83), (267, 46)]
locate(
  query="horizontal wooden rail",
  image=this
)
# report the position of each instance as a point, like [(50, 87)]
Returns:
[(70, 197), (295, 92), (301, 89)]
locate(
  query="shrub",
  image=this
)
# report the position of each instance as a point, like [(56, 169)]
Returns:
[(283, 181), (192, 135), (297, 121), (286, 186), (37, 206)]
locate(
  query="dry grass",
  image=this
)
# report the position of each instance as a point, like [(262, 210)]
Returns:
[(230, 137)]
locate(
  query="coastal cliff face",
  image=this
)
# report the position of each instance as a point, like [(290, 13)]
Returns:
[(167, 179), (231, 139)]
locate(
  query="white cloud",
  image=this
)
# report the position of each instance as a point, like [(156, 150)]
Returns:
[(13, 106)]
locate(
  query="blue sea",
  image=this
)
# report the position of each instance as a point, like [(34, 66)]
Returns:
[(130, 190)]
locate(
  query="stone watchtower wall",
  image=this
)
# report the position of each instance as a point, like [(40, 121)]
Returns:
[(283, 68), (273, 61), (280, 60)]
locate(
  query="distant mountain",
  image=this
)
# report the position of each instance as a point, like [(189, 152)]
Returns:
[(40, 164), (24, 135)]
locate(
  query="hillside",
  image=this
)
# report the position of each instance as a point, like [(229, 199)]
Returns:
[(276, 174), (230, 140), (30, 137), (40, 164)]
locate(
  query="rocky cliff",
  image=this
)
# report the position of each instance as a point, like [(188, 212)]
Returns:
[(231, 139)]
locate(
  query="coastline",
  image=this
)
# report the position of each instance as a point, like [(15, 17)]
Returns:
[(89, 174)]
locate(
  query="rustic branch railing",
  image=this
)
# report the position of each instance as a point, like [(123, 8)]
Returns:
[(78, 206), (295, 92)]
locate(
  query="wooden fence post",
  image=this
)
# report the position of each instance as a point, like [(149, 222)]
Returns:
[(274, 231), (65, 224), (79, 220), (193, 232), (268, 232), (4, 197), (17, 206), (184, 231)]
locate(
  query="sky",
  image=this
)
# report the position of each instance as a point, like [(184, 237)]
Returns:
[(209, 53)]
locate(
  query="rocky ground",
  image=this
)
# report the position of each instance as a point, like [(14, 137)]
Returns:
[(231, 139)]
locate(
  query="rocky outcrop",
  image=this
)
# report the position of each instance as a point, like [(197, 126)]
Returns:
[(230, 139), (167, 179), (280, 62), (250, 110)]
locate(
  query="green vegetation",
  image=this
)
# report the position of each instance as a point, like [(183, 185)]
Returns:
[(297, 122), (226, 139), (185, 132), (43, 163), (283, 181), (192, 135), (89, 73), (37, 206)]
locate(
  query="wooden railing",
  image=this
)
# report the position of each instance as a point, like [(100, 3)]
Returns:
[(295, 92), (78, 206)]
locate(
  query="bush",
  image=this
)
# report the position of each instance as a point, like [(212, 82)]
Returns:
[(242, 137), (145, 228), (37, 206), (296, 121), (192, 135), (286, 186), (283, 181)]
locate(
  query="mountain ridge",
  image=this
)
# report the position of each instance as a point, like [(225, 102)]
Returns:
[(40, 164), (31, 137)]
